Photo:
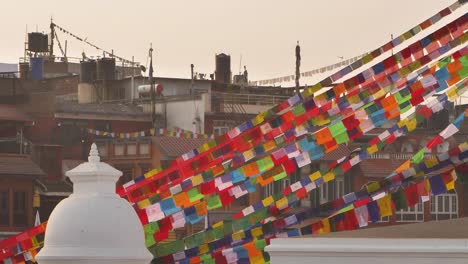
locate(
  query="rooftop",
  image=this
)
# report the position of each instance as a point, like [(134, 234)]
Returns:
[(174, 147), (11, 113), (11, 164)]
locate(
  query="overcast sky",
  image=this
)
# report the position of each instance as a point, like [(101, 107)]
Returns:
[(184, 32)]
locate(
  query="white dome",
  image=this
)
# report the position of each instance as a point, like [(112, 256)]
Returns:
[(94, 225)]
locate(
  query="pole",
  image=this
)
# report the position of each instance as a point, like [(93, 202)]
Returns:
[(298, 65), (52, 34), (132, 93), (153, 107), (191, 79)]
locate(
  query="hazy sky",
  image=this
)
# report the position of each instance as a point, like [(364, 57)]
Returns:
[(184, 32)]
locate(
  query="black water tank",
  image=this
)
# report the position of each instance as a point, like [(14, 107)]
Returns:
[(106, 69), (223, 68), (38, 42), (88, 71)]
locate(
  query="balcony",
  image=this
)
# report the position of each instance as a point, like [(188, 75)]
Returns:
[(248, 103)]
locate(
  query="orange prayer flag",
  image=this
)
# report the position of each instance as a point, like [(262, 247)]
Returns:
[(201, 208), (403, 166)]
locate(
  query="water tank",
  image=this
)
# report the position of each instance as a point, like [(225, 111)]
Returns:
[(87, 93), (106, 69), (24, 70), (88, 71), (38, 42), (144, 90), (223, 68), (37, 68)]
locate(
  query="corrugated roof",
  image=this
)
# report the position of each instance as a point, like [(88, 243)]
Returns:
[(19, 165), (174, 147), (340, 152), (11, 113), (379, 167)]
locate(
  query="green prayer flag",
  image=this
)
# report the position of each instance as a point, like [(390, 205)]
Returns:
[(399, 199), (214, 202), (342, 138), (419, 156), (150, 229), (298, 110), (265, 164), (194, 195), (337, 128), (260, 244), (280, 176)]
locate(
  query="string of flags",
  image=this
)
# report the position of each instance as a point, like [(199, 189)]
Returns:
[(280, 200), (404, 99), (289, 131), (231, 142), (298, 156), (299, 189), (235, 233), (309, 73), (384, 48), (111, 54), (179, 133)]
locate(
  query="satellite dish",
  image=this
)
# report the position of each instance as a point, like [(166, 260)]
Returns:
[(142, 68)]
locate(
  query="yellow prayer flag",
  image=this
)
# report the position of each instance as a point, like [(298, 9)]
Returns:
[(238, 235), (197, 180), (218, 224), (379, 94), (385, 205), (202, 249), (282, 203), (143, 203), (151, 173), (256, 232), (372, 187), (259, 118), (325, 226), (267, 201), (412, 125), (328, 176), (452, 93), (372, 149), (257, 259), (314, 176)]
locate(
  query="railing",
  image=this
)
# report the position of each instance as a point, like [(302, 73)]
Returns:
[(249, 99), (398, 155)]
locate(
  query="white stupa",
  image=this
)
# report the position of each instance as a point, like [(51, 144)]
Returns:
[(94, 225)]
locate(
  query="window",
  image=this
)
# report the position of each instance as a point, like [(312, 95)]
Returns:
[(407, 147), (275, 187), (19, 209), (4, 211), (102, 148), (15, 208), (144, 149), (444, 206), (220, 130), (340, 186), (119, 149), (411, 214), (131, 149)]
